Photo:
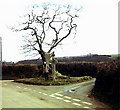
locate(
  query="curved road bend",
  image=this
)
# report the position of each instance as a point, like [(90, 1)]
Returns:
[(18, 95)]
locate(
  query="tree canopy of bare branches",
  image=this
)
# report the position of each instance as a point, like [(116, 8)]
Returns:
[(48, 26)]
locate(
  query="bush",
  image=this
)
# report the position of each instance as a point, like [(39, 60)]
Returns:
[(77, 69), (107, 82), (19, 71)]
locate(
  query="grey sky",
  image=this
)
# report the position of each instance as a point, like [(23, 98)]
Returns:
[(97, 30)]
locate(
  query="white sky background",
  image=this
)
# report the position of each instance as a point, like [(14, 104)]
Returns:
[(97, 30)]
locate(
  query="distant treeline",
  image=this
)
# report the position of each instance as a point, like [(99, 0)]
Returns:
[(87, 58)]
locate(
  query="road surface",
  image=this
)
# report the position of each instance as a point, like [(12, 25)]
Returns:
[(18, 95)]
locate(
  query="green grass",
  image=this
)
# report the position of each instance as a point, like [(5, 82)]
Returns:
[(41, 81)]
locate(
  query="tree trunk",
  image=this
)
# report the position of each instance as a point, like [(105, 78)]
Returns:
[(53, 71), (48, 59), (45, 68)]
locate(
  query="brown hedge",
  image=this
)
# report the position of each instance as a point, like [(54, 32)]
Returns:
[(69, 69), (107, 83), (19, 71), (77, 69)]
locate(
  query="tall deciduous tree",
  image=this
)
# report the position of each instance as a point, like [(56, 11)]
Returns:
[(48, 25)]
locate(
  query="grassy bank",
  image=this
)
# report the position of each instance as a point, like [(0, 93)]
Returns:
[(41, 81)]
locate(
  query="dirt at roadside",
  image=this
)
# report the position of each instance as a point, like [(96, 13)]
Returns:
[(98, 103)]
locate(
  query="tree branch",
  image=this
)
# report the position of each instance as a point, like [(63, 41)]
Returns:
[(60, 21)]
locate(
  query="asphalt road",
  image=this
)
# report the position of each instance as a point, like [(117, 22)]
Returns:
[(18, 95)]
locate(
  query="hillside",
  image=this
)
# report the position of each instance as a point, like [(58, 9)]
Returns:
[(87, 58)]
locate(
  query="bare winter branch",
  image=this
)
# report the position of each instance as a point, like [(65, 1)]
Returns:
[(58, 22)]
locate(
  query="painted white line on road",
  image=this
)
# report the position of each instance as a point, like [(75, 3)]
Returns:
[(51, 95), (76, 104), (66, 100), (40, 92), (18, 86), (67, 97), (76, 100), (59, 98), (86, 107), (87, 103), (58, 94), (45, 94)]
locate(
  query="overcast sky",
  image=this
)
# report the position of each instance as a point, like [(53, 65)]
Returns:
[(97, 31)]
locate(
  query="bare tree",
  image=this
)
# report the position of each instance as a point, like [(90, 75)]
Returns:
[(48, 26)]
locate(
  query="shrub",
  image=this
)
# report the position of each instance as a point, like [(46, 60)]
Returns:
[(19, 71), (107, 82), (77, 69)]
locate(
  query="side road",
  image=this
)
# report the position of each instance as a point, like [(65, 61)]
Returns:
[(18, 95)]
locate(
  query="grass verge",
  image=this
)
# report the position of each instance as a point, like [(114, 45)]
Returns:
[(41, 81)]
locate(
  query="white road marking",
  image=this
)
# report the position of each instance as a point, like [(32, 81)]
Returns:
[(51, 95), (45, 94), (76, 100), (86, 107), (59, 98), (40, 92), (67, 97), (18, 86), (58, 94), (67, 100), (87, 103), (76, 104)]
